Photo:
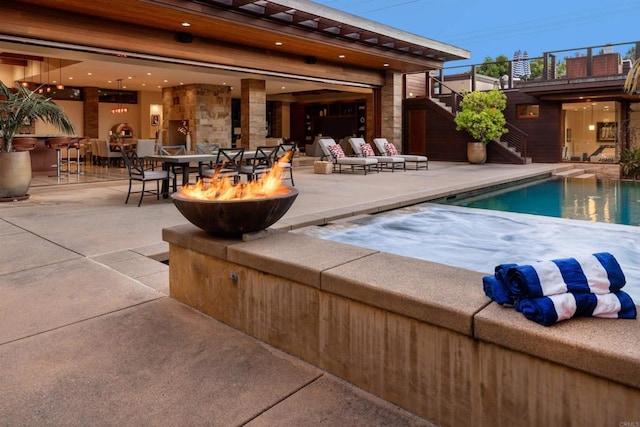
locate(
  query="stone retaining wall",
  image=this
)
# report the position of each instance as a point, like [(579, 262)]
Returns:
[(419, 334)]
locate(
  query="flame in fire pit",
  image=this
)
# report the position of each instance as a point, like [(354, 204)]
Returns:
[(223, 209), (269, 185)]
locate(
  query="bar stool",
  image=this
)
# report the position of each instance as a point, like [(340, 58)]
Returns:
[(58, 143), (75, 143), (24, 144)]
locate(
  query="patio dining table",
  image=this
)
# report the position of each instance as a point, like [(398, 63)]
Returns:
[(183, 161)]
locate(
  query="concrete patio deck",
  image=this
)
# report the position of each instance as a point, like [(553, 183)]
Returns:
[(89, 335)]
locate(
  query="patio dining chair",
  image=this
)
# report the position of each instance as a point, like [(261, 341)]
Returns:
[(141, 173), (207, 149), (228, 164), (173, 150), (286, 164), (261, 163), (146, 148)]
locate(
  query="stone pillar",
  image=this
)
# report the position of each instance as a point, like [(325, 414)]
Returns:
[(206, 109), (90, 113), (253, 113), (391, 105)]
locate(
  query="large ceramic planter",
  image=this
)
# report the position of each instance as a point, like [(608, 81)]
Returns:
[(476, 152), (15, 175)]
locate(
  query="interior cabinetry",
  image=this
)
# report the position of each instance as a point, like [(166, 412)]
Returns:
[(337, 120)]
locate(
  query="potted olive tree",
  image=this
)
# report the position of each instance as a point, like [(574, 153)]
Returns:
[(482, 117), (19, 107)]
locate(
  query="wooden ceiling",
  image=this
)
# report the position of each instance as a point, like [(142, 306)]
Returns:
[(300, 28)]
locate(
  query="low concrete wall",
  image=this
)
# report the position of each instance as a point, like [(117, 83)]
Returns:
[(419, 334)]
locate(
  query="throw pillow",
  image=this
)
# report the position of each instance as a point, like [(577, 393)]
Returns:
[(391, 149), (336, 151), (366, 150)]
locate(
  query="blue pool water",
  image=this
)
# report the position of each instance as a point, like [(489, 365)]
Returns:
[(591, 199), (480, 239)]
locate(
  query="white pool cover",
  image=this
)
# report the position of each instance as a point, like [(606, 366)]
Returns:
[(479, 239)]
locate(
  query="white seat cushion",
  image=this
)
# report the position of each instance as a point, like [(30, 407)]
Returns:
[(356, 161)]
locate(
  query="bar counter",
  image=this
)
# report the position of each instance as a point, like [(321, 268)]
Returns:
[(43, 159)]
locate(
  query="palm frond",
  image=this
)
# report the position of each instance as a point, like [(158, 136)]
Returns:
[(24, 105), (633, 76)]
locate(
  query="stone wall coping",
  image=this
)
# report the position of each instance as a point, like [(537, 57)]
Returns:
[(437, 294), (608, 348)]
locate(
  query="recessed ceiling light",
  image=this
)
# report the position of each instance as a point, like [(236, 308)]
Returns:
[(166, 81), (385, 65), (283, 87), (89, 74), (144, 84), (129, 77), (340, 56), (70, 78), (278, 43), (185, 24), (108, 81), (148, 74)]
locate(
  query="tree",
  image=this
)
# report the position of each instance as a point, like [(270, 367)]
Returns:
[(631, 54), (494, 67), (482, 115)]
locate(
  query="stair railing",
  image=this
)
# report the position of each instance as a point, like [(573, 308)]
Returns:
[(515, 138), (452, 99)]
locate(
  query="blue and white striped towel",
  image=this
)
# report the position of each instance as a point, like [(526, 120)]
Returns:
[(599, 273), (549, 310)]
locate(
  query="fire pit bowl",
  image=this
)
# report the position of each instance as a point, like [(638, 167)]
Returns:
[(231, 218)]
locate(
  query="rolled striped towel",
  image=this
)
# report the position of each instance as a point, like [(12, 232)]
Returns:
[(495, 288), (555, 308), (598, 273)]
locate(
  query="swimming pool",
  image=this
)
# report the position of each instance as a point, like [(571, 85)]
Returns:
[(479, 239), (591, 199)]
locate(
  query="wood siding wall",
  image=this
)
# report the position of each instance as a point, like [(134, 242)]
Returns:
[(545, 132), (445, 143)]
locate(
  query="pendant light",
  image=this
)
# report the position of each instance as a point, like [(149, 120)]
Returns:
[(48, 89), (119, 109), (40, 86), (60, 86), (591, 125)]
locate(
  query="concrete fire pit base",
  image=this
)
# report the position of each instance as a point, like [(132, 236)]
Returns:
[(418, 334)]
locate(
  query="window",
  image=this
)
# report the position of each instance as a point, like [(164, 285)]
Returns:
[(527, 111)]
